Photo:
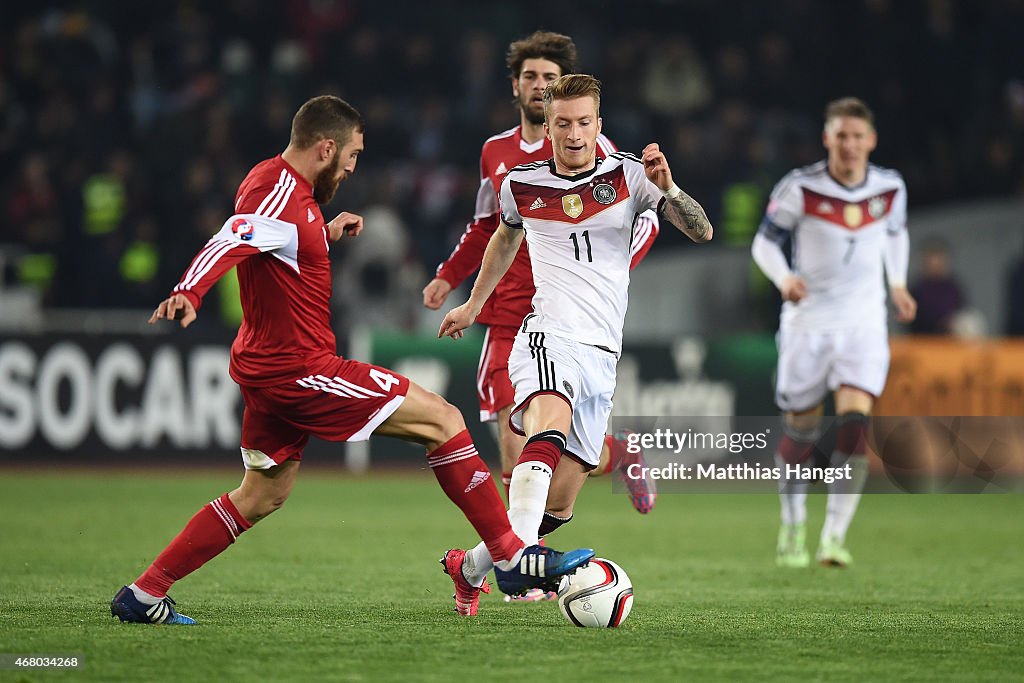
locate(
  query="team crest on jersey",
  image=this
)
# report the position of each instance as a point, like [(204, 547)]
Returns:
[(572, 205), (243, 228), (876, 207), (605, 193), (568, 388), (853, 215)]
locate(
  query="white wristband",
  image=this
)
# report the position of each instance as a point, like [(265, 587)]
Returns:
[(673, 192)]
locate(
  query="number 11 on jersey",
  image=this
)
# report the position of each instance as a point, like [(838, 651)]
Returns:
[(576, 245)]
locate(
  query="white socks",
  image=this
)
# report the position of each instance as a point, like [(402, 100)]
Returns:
[(844, 496), (792, 496), (144, 597), (528, 494)]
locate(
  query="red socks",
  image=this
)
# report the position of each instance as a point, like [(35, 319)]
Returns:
[(544, 447), (207, 534), (468, 483), (795, 452), (851, 434)]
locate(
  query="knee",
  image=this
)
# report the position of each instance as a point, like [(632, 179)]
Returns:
[(448, 421), (804, 428), (257, 505)]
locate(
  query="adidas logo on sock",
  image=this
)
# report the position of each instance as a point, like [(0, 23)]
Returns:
[(479, 477), (538, 203)]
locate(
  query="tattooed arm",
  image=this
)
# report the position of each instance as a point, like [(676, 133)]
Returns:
[(680, 208)]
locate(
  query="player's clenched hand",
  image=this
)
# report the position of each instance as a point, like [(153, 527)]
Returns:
[(175, 307), (456, 320), (793, 288), (434, 294), (906, 305), (345, 223), (656, 167)]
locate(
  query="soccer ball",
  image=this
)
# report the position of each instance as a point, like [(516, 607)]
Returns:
[(599, 595)]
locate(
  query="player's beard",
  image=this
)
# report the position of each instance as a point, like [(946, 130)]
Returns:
[(532, 115), (326, 182)]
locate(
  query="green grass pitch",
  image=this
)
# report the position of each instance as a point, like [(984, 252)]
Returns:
[(343, 584)]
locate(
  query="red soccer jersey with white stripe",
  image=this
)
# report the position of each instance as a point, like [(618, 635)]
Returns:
[(511, 300), (278, 240)]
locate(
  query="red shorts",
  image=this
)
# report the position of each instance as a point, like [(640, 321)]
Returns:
[(493, 387), (344, 401)]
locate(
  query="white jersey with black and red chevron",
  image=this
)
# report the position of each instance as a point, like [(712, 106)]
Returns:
[(510, 302), (580, 233), (845, 242)]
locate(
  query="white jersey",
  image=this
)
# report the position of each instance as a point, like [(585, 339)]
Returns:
[(843, 243), (579, 230)]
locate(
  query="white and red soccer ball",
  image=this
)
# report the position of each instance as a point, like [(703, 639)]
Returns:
[(599, 595)]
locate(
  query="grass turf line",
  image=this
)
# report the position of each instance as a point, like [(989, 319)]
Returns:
[(343, 585)]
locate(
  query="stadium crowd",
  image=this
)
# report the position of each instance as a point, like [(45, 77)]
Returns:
[(126, 127)]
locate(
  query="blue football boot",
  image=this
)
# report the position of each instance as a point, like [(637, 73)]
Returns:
[(541, 567), (126, 607)]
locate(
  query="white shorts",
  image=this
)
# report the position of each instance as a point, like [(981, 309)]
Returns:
[(813, 363), (582, 374)]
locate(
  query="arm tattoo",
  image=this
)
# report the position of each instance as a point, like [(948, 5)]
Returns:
[(688, 216)]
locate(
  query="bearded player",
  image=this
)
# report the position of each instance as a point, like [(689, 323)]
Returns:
[(292, 381)]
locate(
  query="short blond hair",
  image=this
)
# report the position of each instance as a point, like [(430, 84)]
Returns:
[(571, 86), (849, 106)]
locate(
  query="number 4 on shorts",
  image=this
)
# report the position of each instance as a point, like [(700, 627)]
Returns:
[(383, 379)]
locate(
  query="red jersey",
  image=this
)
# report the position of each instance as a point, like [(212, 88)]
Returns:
[(278, 239), (511, 300)]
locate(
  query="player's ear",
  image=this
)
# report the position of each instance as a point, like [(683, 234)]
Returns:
[(600, 124), (327, 148), (547, 131), (515, 87)]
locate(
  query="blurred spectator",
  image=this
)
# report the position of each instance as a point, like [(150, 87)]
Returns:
[(117, 118), (939, 296)]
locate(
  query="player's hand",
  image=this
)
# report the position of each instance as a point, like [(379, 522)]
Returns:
[(345, 224), (656, 167), (175, 307), (793, 288), (906, 305), (456, 320), (434, 294)]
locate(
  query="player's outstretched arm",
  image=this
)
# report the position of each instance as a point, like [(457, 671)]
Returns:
[(501, 251), (175, 307), (680, 208)]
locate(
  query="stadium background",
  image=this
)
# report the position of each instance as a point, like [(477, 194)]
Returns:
[(124, 130)]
